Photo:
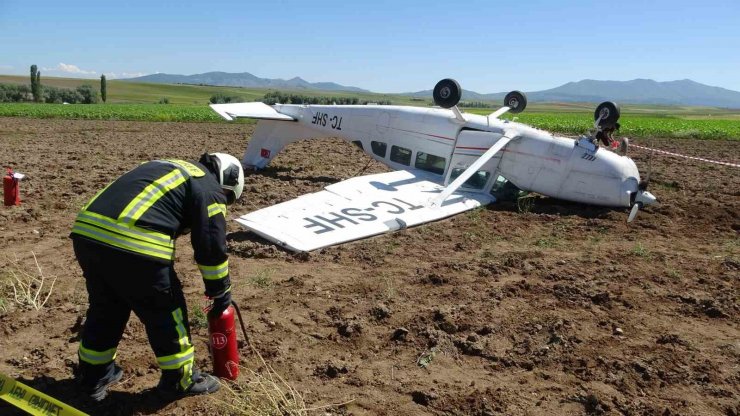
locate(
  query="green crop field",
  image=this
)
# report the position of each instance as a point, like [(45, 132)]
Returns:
[(135, 101), (723, 127), (141, 112)]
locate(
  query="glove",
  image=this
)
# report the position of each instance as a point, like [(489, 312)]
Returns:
[(219, 305)]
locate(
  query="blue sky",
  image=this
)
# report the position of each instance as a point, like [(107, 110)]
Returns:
[(384, 46)]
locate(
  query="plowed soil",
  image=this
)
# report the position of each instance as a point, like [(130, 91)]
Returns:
[(561, 309)]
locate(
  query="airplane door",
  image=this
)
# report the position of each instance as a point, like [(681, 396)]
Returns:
[(469, 146)]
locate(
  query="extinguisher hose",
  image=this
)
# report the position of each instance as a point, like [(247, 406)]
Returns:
[(241, 321)]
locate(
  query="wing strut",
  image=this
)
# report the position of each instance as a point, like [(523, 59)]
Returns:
[(508, 136)]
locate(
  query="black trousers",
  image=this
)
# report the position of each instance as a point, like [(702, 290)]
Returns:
[(119, 282)]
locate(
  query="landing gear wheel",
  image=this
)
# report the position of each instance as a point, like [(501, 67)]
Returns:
[(516, 101), (609, 113), (447, 93)]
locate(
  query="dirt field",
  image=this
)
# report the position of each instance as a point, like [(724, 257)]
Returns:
[(561, 310)]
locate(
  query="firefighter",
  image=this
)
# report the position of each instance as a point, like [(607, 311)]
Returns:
[(124, 241)]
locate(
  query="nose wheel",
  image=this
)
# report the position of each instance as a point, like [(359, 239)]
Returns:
[(606, 115)]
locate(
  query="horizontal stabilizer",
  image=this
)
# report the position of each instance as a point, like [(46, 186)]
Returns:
[(357, 208), (256, 110)]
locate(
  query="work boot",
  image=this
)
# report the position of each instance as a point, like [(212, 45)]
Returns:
[(98, 389), (202, 383)]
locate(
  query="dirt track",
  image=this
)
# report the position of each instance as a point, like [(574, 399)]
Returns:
[(561, 310)]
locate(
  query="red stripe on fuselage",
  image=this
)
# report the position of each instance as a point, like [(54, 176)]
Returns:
[(424, 134), (552, 159)]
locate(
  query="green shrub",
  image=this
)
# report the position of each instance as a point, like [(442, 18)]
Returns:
[(62, 95), (15, 93), (224, 99), (89, 94)]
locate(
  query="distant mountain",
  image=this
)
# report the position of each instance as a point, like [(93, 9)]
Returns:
[(636, 91), (243, 79)]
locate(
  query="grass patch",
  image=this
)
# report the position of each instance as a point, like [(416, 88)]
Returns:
[(525, 203), (475, 215), (31, 289), (264, 392), (640, 251), (673, 274), (389, 287), (199, 319), (546, 242), (426, 358), (263, 278), (488, 254), (391, 246)]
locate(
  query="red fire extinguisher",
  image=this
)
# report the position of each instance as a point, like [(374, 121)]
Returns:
[(11, 192), (224, 349)]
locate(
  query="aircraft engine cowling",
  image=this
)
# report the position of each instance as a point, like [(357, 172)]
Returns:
[(572, 170)]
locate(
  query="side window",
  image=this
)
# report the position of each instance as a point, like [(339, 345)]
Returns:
[(401, 155), (477, 181), (358, 144), (379, 148), (430, 163)]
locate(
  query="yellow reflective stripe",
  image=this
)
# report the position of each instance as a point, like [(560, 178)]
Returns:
[(181, 331), (216, 272), (131, 231), (187, 375), (123, 242), (190, 168), (185, 345), (216, 208), (175, 361), (151, 194), (96, 357)]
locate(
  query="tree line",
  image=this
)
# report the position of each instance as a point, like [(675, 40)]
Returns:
[(274, 97), (84, 94), (36, 92)]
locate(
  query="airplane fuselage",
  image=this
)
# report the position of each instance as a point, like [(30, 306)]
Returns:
[(434, 140)]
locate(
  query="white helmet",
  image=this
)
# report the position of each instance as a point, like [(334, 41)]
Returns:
[(230, 175)]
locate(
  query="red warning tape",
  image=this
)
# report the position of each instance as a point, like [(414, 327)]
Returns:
[(718, 162)]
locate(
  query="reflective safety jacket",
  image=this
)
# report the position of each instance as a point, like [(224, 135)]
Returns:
[(147, 208)]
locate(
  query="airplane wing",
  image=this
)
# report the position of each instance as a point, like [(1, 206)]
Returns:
[(250, 110), (357, 208)]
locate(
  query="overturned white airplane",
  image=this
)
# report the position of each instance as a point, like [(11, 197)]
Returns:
[(446, 162)]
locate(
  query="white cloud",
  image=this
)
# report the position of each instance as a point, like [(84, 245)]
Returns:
[(69, 69), (113, 75)]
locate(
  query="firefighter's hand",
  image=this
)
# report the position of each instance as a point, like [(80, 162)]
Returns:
[(219, 305)]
